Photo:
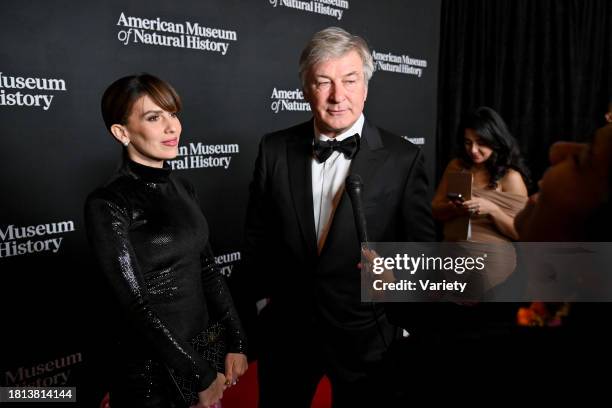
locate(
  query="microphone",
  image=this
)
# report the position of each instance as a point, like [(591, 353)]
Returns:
[(354, 186)]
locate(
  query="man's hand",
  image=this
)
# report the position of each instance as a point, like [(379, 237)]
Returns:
[(366, 268)]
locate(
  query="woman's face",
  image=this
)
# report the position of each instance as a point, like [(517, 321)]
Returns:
[(153, 133), (573, 187), (475, 148)]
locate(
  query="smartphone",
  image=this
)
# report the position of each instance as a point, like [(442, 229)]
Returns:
[(455, 197)]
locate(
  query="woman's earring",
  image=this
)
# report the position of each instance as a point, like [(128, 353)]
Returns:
[(127, 142)]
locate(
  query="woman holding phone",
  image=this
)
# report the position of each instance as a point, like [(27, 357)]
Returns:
[(490, 154)]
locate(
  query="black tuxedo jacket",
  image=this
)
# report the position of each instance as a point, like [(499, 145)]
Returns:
[(280, 255)]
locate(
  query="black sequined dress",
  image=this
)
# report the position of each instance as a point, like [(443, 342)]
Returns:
[(151, 242)]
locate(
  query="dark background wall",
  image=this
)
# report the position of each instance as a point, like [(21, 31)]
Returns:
[(545, 66), (57, 152)]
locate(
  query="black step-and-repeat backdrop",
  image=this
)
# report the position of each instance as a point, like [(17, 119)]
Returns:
[(235, 65)]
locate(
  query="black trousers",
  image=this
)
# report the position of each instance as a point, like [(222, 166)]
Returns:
[(291, 364)]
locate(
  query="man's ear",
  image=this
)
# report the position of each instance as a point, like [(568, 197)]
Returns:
[(120, 133), (609, 117)]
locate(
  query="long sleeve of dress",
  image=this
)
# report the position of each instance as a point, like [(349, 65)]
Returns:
[(220, 302), (108, 219)]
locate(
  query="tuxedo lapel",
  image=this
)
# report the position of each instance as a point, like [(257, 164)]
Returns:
[(371, 156), (299, 156)]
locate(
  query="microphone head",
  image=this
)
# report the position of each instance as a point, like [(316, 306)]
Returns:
[(353, 181)]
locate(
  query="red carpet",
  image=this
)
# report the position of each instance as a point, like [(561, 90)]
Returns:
[(244, 395)]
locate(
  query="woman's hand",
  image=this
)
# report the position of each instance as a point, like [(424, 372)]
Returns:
[(481, 206), (458, 207), (213, 393), (235, 365)]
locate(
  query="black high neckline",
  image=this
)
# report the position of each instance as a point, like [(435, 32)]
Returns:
[(149, 174)]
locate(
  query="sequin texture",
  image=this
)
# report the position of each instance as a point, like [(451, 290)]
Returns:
[(151, 241)]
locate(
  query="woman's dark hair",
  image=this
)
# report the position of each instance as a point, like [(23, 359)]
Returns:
[(119, 97), (493, 132)]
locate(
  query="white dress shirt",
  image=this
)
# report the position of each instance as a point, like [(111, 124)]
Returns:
[(328, 182)]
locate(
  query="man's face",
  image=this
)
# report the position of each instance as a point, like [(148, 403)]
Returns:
[(336, 90), (573, 187)]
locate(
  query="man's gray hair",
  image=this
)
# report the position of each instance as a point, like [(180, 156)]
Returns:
[(334, 42)]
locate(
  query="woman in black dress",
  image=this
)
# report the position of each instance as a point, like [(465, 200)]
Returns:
[(151, 242)]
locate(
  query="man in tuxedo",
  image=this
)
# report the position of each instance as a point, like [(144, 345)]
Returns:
[(302, 248)]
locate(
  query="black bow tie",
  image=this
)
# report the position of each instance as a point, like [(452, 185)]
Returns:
[(349, 147)]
